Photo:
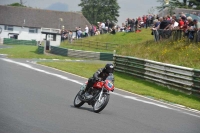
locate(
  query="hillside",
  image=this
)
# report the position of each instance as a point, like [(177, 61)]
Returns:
[(142, 45)]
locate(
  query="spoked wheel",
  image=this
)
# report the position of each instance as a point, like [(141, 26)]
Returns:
[(100, 105), (77, 102)]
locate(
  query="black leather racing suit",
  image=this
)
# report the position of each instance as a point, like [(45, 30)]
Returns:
[(98, 74)]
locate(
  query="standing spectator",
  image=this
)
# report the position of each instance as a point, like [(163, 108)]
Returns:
[(63, 33), (180, 23), (70, 36), (136, 24), (92, 31), (190, 28), (175, 18), (76, 31), (86, 31), (196, 24), (197, 28), (133, 25), (79, 32), (144, 20), (102, 27), (174, 24), (164, 24)]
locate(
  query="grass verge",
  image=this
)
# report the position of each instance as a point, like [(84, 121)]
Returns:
[(21, 51), (129, 83)]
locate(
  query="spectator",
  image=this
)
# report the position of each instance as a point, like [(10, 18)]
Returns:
[(79, 33), (63, 33), (175, 18), (113, 31), (136, 24), (70, 35), (174, 24), (76, 31), (196, 25), (97, 32), (180, 23), (164, 24), (133, 25), (190, 28), (102, 26), (86, 31), (92, 31)]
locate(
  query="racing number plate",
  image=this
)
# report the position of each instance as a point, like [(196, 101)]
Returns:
[(110, 85)]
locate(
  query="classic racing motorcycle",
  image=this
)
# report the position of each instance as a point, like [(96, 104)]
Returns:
[(100, 94)]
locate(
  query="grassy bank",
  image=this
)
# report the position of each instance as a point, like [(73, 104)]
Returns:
[(142, 45)]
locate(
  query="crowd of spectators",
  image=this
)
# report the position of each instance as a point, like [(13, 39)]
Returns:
[(99, 28), (162, 25)]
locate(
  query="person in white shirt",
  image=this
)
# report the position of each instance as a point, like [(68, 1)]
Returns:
[(102, 27), (174, 24), (86, 31)]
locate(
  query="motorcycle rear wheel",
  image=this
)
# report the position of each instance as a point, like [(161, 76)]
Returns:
[(77, 102), (100, 105)]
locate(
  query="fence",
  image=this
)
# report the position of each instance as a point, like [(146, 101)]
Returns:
[(175, 77), (81, 54), (95, 44), (21, 42), (174, 35)]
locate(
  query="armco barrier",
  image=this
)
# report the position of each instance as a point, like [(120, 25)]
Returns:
[(19, 42), (81, 54), (175, 77), (40, 50), (59, 51)]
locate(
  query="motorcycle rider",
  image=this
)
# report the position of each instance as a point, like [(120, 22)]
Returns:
[(100, 75)]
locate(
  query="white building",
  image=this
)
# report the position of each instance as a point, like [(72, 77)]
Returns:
[(29, 23)]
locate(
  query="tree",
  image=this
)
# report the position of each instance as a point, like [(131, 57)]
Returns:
[(100, 10)]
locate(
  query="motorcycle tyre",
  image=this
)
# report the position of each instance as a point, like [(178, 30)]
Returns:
[(80, 104), (103, 105)]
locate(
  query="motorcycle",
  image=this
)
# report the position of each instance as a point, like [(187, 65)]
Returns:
[(100, 94)]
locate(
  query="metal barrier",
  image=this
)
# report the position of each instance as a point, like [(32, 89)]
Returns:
[(174, 35), (40, 50), (19, 42), (81, 54), (94, 44), (175, 77)]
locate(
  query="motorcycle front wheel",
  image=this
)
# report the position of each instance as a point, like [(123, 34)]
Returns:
[(100, 105), (77, 102)]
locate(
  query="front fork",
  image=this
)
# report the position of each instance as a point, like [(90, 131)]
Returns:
[(100, 94)]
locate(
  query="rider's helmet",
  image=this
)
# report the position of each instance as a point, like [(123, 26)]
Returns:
[(109, 68)]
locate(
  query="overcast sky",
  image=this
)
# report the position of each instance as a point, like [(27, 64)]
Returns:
[(129, 8)]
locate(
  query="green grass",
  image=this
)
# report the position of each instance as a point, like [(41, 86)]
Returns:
[(120, 39), (129, 83), (21, 51)]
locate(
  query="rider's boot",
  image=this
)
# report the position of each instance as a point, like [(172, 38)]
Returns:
[(87, 94)]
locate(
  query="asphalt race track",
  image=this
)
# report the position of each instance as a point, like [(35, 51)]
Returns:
[(38, 99)]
